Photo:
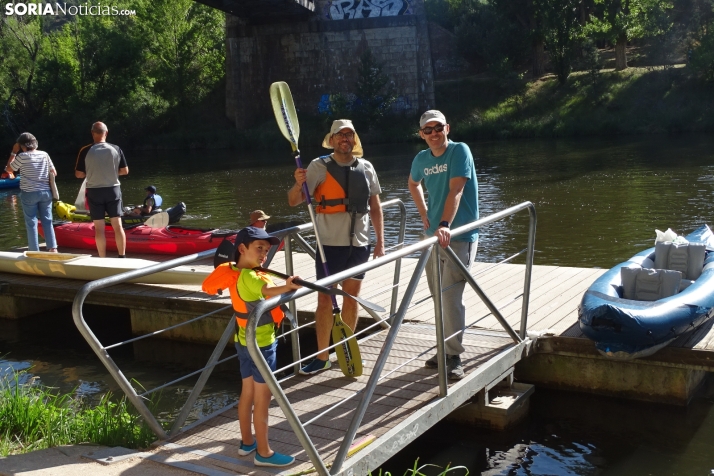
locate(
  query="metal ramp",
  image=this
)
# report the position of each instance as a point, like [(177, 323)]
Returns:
[(405, 404), (323, 419)]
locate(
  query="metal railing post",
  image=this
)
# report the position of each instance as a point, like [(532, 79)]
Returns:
[(275, 389), (229, 331), (529, 268), (398, 262), (480, 292), (108, 362), (290, 270), (435, 271), (381, 361)]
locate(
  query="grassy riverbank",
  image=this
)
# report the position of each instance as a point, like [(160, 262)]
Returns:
[(654, 100), (34, 417)]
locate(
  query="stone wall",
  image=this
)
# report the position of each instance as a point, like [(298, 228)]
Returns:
[(319, 57)]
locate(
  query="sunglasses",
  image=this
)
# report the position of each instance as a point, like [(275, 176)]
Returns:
[(345, 135), (428, 129)]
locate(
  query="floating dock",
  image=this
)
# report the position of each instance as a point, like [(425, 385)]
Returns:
[(407, 401)]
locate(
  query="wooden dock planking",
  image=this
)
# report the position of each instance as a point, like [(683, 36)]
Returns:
[(396, 397), (408, 387)]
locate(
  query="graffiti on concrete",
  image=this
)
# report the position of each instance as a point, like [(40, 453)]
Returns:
[(347, 9), (325, 106), (401, 104)]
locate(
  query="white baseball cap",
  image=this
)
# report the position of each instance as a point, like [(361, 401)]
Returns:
[(430, 116)]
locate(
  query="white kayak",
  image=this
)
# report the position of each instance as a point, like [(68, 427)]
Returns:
[(89, 268)]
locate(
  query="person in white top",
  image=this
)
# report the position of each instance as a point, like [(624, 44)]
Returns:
[(35, 168)]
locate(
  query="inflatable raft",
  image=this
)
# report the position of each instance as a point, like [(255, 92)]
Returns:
[(172, 240), (643, 304), (10, 182), (68, 212), (88, 268)]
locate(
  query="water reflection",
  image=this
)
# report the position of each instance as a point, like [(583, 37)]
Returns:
[(598, 200)]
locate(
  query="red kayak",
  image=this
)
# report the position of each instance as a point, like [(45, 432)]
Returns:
[(172, 240)]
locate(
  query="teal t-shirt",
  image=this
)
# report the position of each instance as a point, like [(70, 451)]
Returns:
[(435, 173), (250, 288)]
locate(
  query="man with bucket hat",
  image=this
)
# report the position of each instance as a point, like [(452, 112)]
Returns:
[(446, 169), (258, 218), (346, 192)]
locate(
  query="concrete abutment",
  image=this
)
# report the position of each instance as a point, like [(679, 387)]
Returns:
[(319, 57)]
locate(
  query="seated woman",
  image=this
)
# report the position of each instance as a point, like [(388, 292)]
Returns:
[(152, 203)]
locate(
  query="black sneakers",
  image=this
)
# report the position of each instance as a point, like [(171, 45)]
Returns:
[(454, 369)]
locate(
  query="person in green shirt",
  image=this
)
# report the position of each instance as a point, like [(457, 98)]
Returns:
[(247, 288)]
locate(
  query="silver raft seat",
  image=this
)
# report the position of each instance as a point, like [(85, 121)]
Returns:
[(675, 267)]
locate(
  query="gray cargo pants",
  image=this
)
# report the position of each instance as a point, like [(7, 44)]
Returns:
[(452, 301)]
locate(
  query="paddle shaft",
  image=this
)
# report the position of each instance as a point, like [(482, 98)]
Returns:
[(331, 291), (285, 116)]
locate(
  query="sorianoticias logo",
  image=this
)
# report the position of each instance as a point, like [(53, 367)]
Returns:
[(57, 8)]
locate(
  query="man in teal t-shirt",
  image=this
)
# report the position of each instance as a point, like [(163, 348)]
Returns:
[(447, 171)]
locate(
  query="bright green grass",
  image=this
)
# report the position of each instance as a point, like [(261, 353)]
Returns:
[(34, 417), (634, 101), (417, 470)]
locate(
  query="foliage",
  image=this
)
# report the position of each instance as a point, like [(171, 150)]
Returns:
[(375, 93), (492, 33), (562, 33), (620, 21), (373, 97), (637, 101), (133, 72), (417, 470), (443, 12), (631, 18), (34, 417), (702, 53)]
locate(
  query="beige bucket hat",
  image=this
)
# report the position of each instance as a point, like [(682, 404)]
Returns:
[(337, 126)]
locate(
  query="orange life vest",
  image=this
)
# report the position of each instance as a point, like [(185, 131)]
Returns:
[(226, 276), (345, 189)]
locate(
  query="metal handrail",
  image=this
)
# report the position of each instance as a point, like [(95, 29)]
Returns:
[(423, 248), (138, 399)]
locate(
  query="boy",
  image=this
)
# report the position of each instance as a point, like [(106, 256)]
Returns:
[(247, 288)]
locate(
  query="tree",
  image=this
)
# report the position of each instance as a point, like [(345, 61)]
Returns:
[(562, 32), (374, 93), (620, 21), (493, 33), (187, 55), (22, 44)]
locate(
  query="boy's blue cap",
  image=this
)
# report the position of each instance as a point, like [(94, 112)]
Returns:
[(252, 233)]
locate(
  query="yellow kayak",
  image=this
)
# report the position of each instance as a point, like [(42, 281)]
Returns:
[(68, 212)]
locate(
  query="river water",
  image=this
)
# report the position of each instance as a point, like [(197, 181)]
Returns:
[(599, 202)]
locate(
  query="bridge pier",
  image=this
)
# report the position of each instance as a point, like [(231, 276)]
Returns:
[(319, 56)]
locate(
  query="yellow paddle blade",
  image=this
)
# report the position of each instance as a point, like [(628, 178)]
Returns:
[(284, 110), (348, 354)]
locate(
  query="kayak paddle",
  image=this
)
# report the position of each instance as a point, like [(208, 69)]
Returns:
[(160, 220), (348, 356), (324, 289)]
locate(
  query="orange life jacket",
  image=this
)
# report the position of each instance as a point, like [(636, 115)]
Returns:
[(345, 189), (226, 276)]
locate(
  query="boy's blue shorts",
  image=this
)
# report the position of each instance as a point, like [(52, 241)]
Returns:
[(248, 367)]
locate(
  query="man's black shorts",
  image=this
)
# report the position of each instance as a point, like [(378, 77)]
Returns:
[(339, 259), (104, 199)]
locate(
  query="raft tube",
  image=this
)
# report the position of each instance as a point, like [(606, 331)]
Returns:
[(626, 329)]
